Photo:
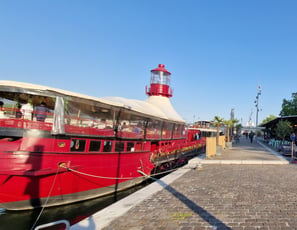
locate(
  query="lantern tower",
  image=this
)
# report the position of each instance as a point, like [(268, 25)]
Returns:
[(160, 83)]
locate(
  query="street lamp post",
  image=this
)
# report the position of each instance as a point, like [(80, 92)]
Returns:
[(257, 107)]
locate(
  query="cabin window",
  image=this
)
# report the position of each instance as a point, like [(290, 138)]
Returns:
[(184, 131), (177, 131), (167, 130), (154, 128), (77, 145), (27, 106), (197, 136), (107, 147), (130, 147), (83, 114), (130, 125), (95, 146), (119, 146)]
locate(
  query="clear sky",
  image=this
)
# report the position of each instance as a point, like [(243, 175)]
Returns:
[(218, 51)]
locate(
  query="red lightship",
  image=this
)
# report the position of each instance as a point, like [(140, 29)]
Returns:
[(85, 147)]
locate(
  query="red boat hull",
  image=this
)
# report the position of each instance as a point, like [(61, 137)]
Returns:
[(85, 147), (27, 178)]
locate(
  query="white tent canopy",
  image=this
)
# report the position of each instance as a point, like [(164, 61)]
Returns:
[(156, 106)]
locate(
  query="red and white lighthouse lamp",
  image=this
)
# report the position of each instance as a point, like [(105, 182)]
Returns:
[(160, 83)]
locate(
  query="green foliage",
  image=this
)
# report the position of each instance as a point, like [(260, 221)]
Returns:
[(283, 129), (289, 107), (267, 119), (238, 128), (234, 122), (218, 122), (230, 127), (181, 216)]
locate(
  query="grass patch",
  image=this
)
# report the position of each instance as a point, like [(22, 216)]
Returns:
[(181, 215)]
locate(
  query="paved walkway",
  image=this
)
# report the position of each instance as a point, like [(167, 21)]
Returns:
[(245, 152), (206, 195)]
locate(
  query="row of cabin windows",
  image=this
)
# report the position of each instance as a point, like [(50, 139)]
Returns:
[(104, 146), (93, 116)]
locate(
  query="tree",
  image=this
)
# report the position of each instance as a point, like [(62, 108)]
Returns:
[(283, 129), (267, 119), (228, 125), (238, 128), (218, 122), (289, 107), (233, 123)]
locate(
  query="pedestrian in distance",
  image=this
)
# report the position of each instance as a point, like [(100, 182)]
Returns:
[(251, 136), (293, 141), (293, 137)]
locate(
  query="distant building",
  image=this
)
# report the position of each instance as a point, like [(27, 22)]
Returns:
[(232, 114)]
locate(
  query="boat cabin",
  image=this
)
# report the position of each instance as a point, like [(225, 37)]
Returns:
[(65, 113)]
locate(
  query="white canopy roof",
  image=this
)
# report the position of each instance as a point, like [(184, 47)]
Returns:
[(156, 106), (204, 129)]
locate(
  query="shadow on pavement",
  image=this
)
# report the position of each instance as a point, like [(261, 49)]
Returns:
[(212, 220)]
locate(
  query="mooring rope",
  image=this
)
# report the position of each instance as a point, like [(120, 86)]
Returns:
[(47, 199), (90, 175), (160, 173), (116, 178), (87, 174), (148, 176)]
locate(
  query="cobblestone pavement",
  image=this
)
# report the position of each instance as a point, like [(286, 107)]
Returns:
[(245, 150), (218, 196)]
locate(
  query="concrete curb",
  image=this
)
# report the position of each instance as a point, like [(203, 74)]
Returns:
[(102, 218), (239, 162), (273, 152)]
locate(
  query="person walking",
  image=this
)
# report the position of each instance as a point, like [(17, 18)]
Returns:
[(293, 140), (251, 136)]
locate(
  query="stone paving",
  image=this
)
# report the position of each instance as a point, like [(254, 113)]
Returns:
[(221, 196), (247, 152)]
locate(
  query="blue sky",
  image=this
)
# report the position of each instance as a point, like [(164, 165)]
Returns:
[(218, 51)]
